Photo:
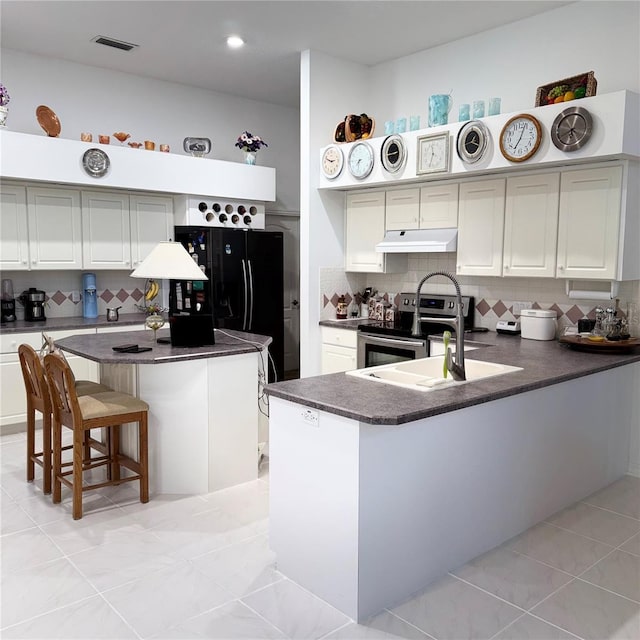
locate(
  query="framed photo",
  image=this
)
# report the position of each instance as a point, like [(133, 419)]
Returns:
[(433, 153)]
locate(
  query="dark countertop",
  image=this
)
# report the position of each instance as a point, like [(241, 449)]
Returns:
[(99, 347), (350, 323), (544, 364), (63, 324)]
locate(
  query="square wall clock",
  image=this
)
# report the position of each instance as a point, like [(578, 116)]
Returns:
[(433, 153)]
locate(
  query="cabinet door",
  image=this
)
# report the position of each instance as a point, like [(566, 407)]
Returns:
[(589, 222), (14, 241), (364, 229), (151, 222), (106, 235), (55, 228), (402, 209), (480, 228), (439, 206), (530, 225), (336, 359)]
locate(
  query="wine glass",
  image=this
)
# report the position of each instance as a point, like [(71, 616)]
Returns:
[(155, 321)]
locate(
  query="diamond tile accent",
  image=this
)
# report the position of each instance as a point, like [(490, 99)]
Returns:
[(483, 307), (122, 295), (574, 314), (106, 295), (136, 294), (557, 309), (499, 308), (58, 297), (325, 300), (334, 299)]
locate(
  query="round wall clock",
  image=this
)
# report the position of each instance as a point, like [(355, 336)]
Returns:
[(95, 162), (332, 162), (360, 161), (572, 129), (393, 153), (520, 137), (473, 139)]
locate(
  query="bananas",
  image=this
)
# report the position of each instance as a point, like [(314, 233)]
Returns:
[(151, 290)]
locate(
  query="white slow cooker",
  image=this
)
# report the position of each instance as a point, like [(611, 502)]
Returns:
[(538, 324)]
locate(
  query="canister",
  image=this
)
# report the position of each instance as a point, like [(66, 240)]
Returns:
[(538, 324)]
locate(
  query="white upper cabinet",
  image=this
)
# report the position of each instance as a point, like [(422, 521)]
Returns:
[(589, 223), (55, 228), (480, 228), (530, 225), (439, 206), (151, 222), (402, 209), (14, 240), (106, 235)]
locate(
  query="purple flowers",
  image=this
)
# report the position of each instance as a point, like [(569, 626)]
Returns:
[(4, 96), (248, 142)]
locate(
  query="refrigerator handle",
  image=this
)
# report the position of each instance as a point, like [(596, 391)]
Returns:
[(246, 291), (250, 325)]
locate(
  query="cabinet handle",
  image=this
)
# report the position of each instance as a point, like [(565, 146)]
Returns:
[(560, 267), (506, 266)]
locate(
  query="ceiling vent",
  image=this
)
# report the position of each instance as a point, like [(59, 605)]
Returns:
[(116, 44)]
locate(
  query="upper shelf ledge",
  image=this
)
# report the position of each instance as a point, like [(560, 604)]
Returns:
[(44, 159), (616, 135)]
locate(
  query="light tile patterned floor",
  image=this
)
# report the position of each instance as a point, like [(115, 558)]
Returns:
[(200, 567)]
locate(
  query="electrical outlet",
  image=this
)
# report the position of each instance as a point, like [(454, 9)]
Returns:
[(75, 296), (310, 417), (519, 306)]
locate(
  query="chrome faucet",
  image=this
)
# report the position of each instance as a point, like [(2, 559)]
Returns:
[(456, 367)]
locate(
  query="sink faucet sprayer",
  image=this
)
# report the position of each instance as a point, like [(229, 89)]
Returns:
[(456, 367)]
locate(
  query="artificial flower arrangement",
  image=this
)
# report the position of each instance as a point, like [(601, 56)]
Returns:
[(4, 96), (248, 142)]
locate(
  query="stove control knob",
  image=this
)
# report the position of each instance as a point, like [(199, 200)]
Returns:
[(451, 305)]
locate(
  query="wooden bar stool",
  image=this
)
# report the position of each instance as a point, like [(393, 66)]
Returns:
[(38, 399), (110, 410)]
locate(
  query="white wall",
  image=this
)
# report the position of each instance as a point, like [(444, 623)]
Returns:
[(100, 101), (510, 62)]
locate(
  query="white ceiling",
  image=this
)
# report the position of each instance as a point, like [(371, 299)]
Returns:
[(184, 41)]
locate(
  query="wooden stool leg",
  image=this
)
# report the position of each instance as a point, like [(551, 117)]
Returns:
[(57, 461), (31, 439), (78, 455), (143, 443), (46, 452), (114, 442)]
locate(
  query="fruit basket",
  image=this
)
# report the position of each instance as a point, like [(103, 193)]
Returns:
[(581, 86), (354, 127)]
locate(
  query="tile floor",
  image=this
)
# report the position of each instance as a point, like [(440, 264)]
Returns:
[(200, 567)]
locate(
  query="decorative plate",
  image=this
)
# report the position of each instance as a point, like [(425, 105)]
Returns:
[(48, 120), (197, 147), (95, 162)]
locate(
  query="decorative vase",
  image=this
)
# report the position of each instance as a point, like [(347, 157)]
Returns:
[(249, 157), (4, 112)]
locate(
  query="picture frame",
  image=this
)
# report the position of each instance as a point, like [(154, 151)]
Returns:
[(433, 153)]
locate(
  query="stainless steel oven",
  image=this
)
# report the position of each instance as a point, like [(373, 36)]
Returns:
[(375, 349), (385, 343)]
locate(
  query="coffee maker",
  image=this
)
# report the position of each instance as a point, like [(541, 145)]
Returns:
[(8, 313), (33, 301)]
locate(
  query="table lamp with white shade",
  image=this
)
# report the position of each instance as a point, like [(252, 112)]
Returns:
[(171, 261)]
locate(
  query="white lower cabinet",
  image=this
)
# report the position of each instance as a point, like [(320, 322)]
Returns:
[(530, 225), (480, 228), (339, 350)]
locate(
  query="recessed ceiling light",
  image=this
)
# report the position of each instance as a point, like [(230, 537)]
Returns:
[(235, 42), (116, 44)]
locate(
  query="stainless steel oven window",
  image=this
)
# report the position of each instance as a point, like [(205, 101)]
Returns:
[(375, 349)]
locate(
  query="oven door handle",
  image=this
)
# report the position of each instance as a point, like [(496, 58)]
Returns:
[(371, 339)]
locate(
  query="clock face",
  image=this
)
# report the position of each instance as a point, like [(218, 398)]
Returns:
[(433, 153), (571, 129), (393, 153), (520, 138), (473, 139), (360, 160), (332, 162), (95, 162)]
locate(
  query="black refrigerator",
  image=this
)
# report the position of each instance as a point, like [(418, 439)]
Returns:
[(245, 290)]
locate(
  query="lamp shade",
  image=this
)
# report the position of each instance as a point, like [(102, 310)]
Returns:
[(169, 260)]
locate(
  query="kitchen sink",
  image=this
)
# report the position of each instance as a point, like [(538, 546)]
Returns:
[(425, 374)]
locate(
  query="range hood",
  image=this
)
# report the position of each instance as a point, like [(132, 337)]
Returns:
[(419, 241)]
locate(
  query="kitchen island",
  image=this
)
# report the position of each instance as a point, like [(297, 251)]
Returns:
[(203, 404), (391, 488)]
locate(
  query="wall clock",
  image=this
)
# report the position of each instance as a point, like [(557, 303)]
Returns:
[(572, 129), (433, 153), (95, 162), (473, 139), (393, 153), (520, 137), (360, 161), (332, 162)]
